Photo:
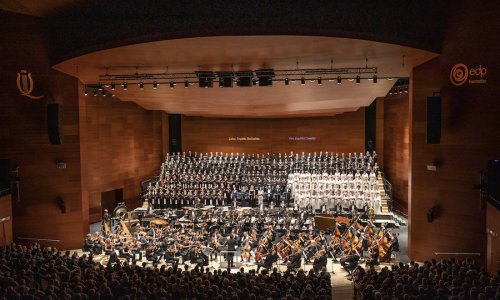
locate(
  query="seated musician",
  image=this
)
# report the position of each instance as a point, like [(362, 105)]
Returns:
[(374, 255), (126, 253), (320, 260), (169, 256), (294, 261), (198, 257), (350, 260), (268, 261), (88, 244)]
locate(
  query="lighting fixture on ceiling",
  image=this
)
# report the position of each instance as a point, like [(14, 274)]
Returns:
[(141, 85), (358, 79), (125, 86), (113, 86), (302, 81), (339, 79), (186, 84), (155, 85), (320, 81), (85, 93)]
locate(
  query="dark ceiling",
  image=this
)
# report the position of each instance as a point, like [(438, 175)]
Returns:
[(83, 27)]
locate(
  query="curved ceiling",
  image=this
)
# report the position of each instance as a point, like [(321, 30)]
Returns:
[(239, 53)]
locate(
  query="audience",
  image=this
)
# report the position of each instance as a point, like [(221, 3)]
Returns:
[(448, 279), (44, 273)]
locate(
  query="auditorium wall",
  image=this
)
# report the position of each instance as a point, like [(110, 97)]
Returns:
[(470, 135), (342, 133), (122, 145), (6, 220), (396, 146), (24, 139)]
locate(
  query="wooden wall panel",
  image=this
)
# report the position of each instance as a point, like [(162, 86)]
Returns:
[(470, 137), (493, 244), (6, 237), (342, 133), (122, 145), (396, 147), (24, 139)]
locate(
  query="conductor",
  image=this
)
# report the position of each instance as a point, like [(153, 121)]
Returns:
[(231, 247)]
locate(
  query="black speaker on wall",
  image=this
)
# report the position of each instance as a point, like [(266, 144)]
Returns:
[(434, 120), (54, 123), (174, 131), (370, 126), (4, 177), (430, 215)]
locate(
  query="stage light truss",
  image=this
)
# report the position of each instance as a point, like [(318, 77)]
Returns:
[(275, 75)]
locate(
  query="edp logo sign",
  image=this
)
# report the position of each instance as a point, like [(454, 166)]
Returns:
[(461, 73)]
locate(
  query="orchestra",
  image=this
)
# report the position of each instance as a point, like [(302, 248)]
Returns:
[(246, 235)]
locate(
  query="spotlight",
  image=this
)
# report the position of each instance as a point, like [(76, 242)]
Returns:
[(125, 86), (400, 90), (358, 79), (172, 84), (238, 82), (339, 79), (186, 84), (320, 81), (103, 93), (85, 93), (390, 78), (155, 85), (302, 81), (95, 92), (254, 81), (375, 78), (406, 89), (287, 81), (141, 85), (390, 92), (99, 87), (113, 86)]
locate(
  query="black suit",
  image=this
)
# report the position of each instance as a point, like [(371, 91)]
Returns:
[(231, 246), (295, 261), (319, 263)]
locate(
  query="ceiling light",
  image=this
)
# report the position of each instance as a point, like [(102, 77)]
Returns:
[(302, 81), (254, 81), (99, 87), (113, 86), (172, 84), (95, 92), (389, 78), (141, 85), (103, 93), (186, 84), (125, 86), (155, 85), (287, 81), (339, 79), (358, 79), (85, 92), (375, 78), (320, 81), (406, 89)]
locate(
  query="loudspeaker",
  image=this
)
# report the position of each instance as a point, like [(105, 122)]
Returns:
[(430, 215), (62, 205), (54, 123), (370, 126), (434, 120), (4, 176), (174, 131)]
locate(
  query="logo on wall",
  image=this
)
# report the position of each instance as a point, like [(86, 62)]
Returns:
[(461, 74), (25, 85)]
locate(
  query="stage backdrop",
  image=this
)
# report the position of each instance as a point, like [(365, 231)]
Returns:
[(342, 133)]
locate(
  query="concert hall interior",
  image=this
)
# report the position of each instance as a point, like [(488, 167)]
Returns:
[(250, 149)]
